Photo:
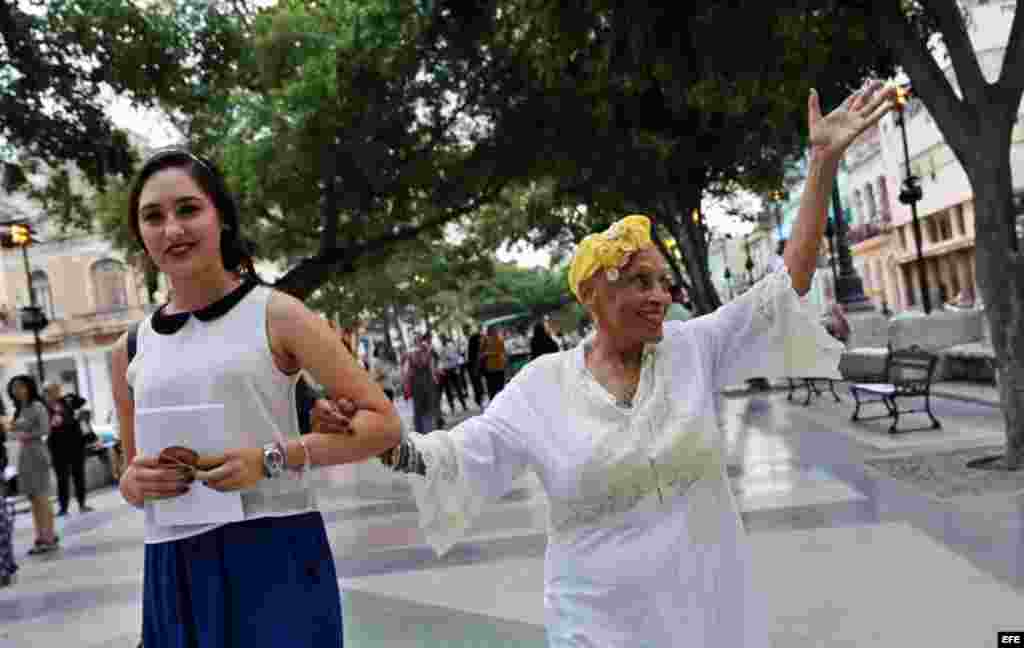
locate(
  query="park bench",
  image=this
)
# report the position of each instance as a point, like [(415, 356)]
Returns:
[(910, 373), (814, 387), (974, 361)]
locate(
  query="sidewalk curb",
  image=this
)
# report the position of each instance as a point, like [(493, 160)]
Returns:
[(938, 393)]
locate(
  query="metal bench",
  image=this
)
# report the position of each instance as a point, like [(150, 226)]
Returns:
[(910, 372), (813, 387)]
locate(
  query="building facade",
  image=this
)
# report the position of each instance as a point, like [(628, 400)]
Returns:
[(882, 234), (88, 293)]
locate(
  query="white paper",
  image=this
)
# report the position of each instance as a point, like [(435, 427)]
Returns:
[(200, 428)]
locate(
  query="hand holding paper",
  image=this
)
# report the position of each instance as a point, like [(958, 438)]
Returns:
[(195, 428)]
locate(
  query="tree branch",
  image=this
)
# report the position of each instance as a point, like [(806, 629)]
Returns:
[(312, 272), (957, 119), (958, 44), (286, 226), (1011, 78)]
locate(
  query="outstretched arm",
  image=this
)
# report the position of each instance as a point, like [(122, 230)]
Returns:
[(829, 137)]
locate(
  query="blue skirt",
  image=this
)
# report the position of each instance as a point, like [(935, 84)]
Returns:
[(263, 582)]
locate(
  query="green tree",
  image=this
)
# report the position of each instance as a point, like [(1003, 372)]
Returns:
[(649, 110), (60, 62)]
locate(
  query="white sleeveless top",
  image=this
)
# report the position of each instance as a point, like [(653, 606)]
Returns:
[(224, 360)]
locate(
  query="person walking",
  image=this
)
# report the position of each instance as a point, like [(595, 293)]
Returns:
[(422, 378), (542, 343), (385, 371), (473, 343), (494, 360), (449, 370), (31, 425), (8, 566), (67, 446), (226, 339), (645, 543)]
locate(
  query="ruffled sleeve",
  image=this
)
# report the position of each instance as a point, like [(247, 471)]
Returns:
[(476, 461), (768, 332)]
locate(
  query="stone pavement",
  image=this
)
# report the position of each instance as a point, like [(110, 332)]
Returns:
[(848, 556)]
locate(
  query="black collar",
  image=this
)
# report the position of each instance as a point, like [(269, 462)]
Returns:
[(171, 324)]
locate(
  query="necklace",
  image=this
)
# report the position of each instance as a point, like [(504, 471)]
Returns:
[(624, 391)]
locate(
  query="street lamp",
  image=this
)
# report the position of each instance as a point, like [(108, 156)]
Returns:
[(911, 194), (32, 317), (750, 261), (849, 286), (725, 259), (830, 235)]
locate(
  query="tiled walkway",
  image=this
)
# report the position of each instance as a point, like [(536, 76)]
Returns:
[(849, 558)]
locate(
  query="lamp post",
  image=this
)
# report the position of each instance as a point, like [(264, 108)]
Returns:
[(750, 261), (830, 235), (910, 194), (725, 259), (32, 317), (849, 286)]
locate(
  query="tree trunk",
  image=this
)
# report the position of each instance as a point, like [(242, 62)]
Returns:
[(681, 279), (1000, 273), (688, 235)]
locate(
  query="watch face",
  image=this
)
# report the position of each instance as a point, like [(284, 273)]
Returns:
[(273, 460)]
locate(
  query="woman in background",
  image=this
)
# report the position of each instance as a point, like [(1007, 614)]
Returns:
[(31, 426)]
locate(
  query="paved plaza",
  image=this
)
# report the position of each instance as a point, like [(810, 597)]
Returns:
[(848, 557)]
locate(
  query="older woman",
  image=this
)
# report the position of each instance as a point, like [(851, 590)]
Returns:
[(646, 546)]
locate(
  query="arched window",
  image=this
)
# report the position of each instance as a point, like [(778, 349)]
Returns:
[(108, 281), (41, 291)]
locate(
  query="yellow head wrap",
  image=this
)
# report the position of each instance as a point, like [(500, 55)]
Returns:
[(609, 250)]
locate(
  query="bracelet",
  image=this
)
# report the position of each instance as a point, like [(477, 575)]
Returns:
[(405, 458), (308, 456)]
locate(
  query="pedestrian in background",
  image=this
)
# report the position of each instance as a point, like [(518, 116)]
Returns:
[(448, 371), (541, 343), (7, 564), (67, 446), (492, 356), (385, 371), (31, 425), (421, 380), (473, 368)]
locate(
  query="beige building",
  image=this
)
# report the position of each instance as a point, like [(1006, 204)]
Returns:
[(89, 295)]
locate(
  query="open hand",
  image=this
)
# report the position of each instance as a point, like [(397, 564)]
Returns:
[(832, 134), (333, 417)]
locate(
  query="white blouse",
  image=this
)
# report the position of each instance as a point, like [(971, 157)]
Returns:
[(646, 546)]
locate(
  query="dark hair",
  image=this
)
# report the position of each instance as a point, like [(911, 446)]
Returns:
[(33, 391), (677, 293), (236, 251)]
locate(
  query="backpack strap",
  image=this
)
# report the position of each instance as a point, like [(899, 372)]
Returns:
[(133, 341), (132, 344)]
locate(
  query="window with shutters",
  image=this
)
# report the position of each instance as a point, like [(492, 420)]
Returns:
[(108, 280)]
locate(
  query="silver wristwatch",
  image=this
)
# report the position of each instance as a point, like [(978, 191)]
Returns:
[(273, 460)]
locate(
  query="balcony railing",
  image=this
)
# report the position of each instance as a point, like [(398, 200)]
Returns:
[(862, 232), (10, 319)]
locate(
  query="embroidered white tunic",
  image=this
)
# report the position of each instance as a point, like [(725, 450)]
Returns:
[(646, 546)]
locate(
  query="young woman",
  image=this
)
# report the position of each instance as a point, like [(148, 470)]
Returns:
[(224, 338), (31, 425)]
